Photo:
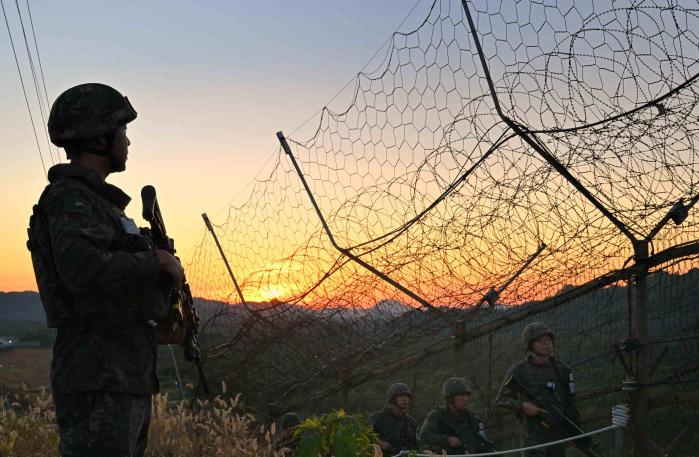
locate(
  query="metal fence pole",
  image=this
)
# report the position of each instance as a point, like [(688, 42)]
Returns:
[(459, 349), (619, 442), (177, 372), (641, 397), (345, 399)]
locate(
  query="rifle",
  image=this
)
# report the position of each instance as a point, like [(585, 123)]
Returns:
[(391, 438), (557, 417), (483, 444), (180, 299)]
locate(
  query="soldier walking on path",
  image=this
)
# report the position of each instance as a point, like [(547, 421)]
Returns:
[(454, 429), (99, 280), (397, 430), (546, 378)]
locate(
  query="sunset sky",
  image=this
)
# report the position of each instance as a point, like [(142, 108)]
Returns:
[(212, 83)]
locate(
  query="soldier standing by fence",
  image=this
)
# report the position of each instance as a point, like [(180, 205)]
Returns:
[(548, 379), (99, 282), (454, 429)]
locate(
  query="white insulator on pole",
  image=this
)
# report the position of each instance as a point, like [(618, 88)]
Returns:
[(620, 415)]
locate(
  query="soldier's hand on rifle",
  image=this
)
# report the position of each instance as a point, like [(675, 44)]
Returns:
[(530, 409), (171, 266), (454, 441)]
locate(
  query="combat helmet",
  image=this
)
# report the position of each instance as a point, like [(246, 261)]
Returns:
[(396, 389), (534, 331), (455, 386), (87, 111), (289, 420)]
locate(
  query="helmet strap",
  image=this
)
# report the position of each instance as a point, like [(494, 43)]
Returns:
[(110, 152)]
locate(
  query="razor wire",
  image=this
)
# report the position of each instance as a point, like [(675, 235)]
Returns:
[(422, 179)]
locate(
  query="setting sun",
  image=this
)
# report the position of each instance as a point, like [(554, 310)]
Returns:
[(269, 293)]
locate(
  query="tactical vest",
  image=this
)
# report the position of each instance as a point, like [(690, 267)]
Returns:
[(464, 431), (401, 439), (142, 305), (54, 298)]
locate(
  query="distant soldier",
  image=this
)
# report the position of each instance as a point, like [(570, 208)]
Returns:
[(454, 429), (546, 378), (397, 430)]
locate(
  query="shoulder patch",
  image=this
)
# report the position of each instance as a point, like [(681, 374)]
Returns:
[(76, 206)]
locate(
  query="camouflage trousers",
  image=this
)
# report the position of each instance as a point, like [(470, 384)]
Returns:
[(104, 424)]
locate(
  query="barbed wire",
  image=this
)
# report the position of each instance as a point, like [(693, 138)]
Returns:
[(426, 180)]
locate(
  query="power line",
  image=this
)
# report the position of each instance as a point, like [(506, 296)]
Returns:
[(36, 81), (24, 91), (41, 68)]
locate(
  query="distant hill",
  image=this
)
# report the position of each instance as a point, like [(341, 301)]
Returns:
[(27, 307), (21, 307)]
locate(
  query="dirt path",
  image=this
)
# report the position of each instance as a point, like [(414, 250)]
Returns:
[(30, 366)]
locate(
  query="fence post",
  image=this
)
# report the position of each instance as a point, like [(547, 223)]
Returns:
[(177, 372), (210, 227), (619, 442), (459, 349), (641, 397), (345, 400), (489, 386)]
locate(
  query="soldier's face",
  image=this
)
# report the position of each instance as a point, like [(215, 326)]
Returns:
[(120, 149), (543, 346), (402, 401), (460, 402)]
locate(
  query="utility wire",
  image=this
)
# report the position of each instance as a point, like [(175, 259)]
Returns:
[(36, 82), (41, 69), (21, 80)]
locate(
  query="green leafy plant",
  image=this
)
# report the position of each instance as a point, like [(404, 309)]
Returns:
[(336, 434)]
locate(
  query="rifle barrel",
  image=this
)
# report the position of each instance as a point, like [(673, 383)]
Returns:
[(148, 198)]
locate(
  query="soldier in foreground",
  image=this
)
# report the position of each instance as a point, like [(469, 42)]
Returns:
[(396, 429), (546, 378), (454, 429), (99, 282)]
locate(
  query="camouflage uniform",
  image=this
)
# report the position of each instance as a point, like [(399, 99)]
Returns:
[(98, 284), (103, 424), (400, 431), (441, 423), (552, 382)]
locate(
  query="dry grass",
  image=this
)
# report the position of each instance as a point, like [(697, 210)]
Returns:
[(203, 428), (27, 426)]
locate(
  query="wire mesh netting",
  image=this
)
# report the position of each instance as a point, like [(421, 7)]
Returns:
[(466, 190)]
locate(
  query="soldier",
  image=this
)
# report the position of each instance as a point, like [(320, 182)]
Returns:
[(397, 430), (454, 429), (99, 282), (545, 377)]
